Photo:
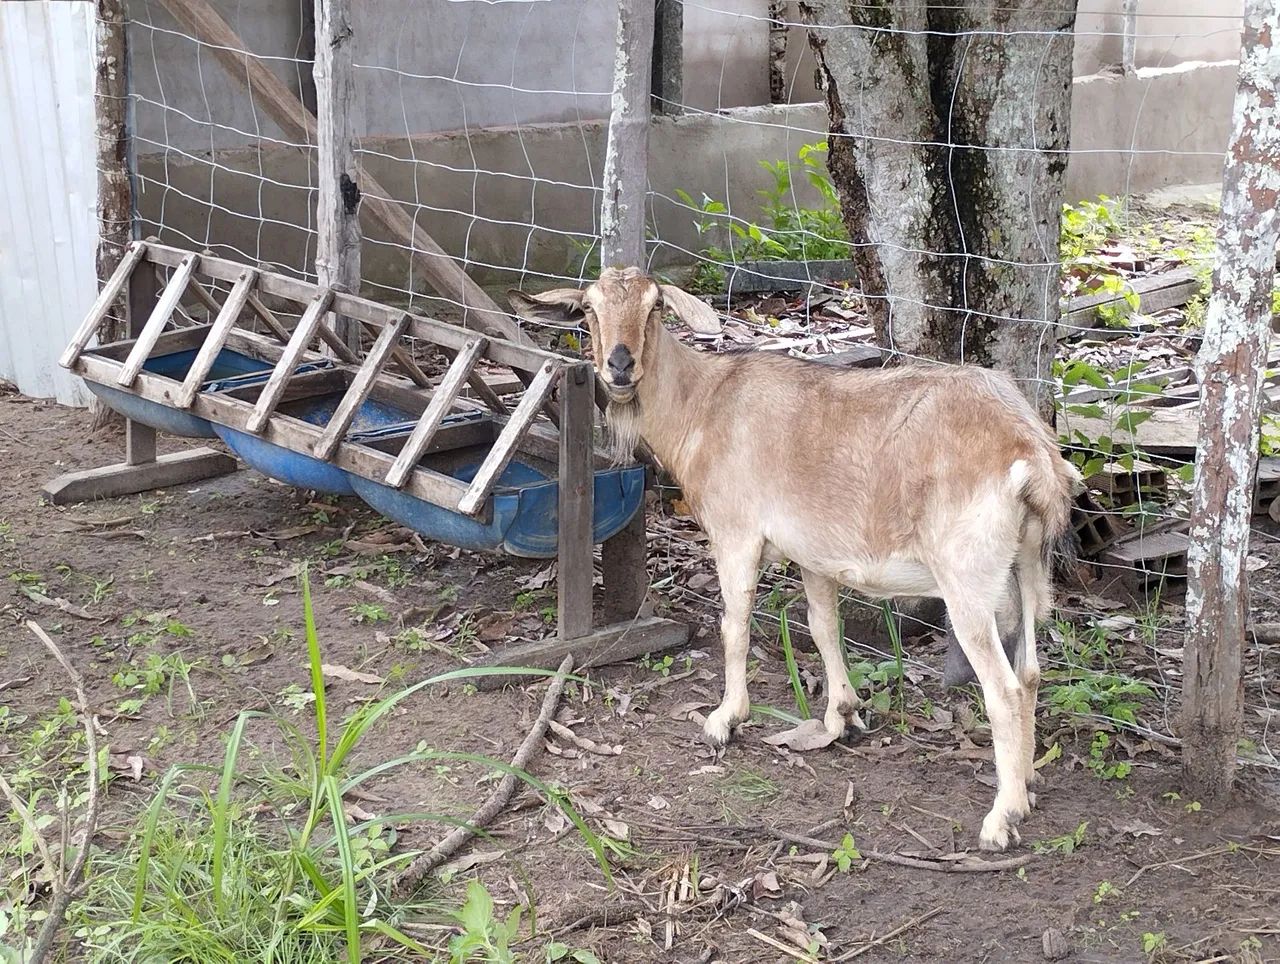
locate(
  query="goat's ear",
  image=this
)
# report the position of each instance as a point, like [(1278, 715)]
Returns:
[(694, 312), (559, 306)]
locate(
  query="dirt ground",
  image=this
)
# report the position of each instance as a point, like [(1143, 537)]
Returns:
[(1198, 879)]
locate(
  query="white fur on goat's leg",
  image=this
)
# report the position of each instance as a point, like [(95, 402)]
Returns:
[(1034, 586), (738, 570), (824, 625), (975, 629)]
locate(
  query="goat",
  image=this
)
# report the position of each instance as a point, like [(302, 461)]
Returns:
[(937, 481)]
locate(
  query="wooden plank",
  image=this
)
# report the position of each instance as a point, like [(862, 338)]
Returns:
[(441, 401), (359, 389), (505, 445), (624, 559), (217, 336), (139, 439), (114, 481), (102, 304), (268, 318), (576, 571), (1170, 432), (1155, 292), (160, 316), (611, 644), (280, 375), (283, 430), (279, 103), (338, 195), (626, 157)]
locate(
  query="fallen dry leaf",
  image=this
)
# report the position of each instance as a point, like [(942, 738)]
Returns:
[(57, 602), (617, 829), (338, 671), (809, 735), (657, 802)]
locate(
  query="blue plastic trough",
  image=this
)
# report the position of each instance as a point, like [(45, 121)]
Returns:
[(175, 421), (525, 520), (307, 471)]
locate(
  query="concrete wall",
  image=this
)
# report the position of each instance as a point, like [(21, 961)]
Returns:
[(1131, 134)]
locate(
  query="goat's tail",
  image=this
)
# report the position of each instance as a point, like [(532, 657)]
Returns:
[(1048, 491)]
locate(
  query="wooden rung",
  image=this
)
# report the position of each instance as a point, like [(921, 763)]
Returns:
[(102, 304), (298, 342), (228, 314), (340, 348), (160, 315), (441, 401), (269, 319), (505, 445), (360, 388)]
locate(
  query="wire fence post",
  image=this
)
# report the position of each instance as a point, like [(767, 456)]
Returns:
[(338, 200), (1232, 362), (626, 159), (668, 56)]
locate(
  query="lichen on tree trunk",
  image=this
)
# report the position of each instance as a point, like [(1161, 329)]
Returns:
[(949, 128)]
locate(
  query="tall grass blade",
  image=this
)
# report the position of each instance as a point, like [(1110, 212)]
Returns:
[(891, 624), (793, 671), (317, 673), (222, 804), (351, 912)]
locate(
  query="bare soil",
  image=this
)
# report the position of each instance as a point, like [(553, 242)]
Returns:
[(219, 557)]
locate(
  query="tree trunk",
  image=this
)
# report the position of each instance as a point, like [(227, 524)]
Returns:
[(777, 52), (1233, 360), (949, 130), (115, 195)]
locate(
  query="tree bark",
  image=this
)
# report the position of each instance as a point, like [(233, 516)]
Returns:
[(1232, 364), (115, 194), (949, 130), (777, 52)]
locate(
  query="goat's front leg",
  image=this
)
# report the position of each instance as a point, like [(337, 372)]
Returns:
[(738, 568), (824, 625)]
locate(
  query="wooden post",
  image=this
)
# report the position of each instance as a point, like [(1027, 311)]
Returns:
[(140, 440), (667, 76), (338, 204), (1232, 361), (577, 501), (777, 52), (307, 54), (626, 158), (115, 194)]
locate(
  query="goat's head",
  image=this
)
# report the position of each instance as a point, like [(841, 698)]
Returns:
[(618, 309)]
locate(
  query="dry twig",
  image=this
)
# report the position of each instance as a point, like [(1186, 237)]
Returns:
[(66, 887), (884, 938), (501, 796)]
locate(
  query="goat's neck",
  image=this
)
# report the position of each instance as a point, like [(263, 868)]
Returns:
[(673, 392)]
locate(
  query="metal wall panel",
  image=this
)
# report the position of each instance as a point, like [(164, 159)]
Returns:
[(48, 190)]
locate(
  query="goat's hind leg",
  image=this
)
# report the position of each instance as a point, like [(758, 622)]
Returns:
[(739, 569), (824, 624), (1003, 692)]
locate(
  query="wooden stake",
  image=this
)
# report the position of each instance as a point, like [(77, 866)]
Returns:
[(338, 203), (626, 158), (1233, 361), (577, 502)]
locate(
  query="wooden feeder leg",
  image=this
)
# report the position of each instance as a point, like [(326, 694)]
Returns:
[(626, 573), (141, 470), (577, 501)]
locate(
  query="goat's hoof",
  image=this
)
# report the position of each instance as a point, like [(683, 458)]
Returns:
[(1031, 800), (719, 727), (837, 718), (997, 833)]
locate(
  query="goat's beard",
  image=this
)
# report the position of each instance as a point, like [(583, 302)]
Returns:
[(623, 420)]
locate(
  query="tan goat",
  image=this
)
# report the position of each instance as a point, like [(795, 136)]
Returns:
[(914, 481)]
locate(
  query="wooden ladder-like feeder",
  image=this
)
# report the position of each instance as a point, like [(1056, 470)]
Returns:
[(463, 469)]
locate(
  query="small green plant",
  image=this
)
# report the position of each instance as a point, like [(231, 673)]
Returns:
[(1066, 844), (1117, 410), (1105, 889), (660, 666), (484, 936), (368, 613), (1154, 943), (846, 854), (1102, 764), (556, 951)]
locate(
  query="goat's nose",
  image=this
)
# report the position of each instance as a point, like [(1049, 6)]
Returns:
[(620, 364)]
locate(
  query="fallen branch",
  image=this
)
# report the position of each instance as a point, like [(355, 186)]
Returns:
[(969, 865), (1203, 855), (502, 794), (777, 945), (885, 938), (609, 915), (67, 887)]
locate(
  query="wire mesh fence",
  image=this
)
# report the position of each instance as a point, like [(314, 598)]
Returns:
[(486, 122)]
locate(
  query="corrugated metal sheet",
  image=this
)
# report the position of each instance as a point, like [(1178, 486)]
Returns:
[(48, 190)]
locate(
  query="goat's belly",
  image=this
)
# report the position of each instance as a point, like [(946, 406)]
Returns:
[(886, 578)]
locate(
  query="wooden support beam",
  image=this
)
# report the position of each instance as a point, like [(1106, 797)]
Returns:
[(217, 337), (279, 103), (576, 572), (359, 389), (114, 481), (626, 157), (102, 304), (338, 197), (115, 189), (504, 447), (667, 80), (441, 401), (139, 439), (611, 644), (1233, 357), (298, 342), (159, 317), (626, 574)]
